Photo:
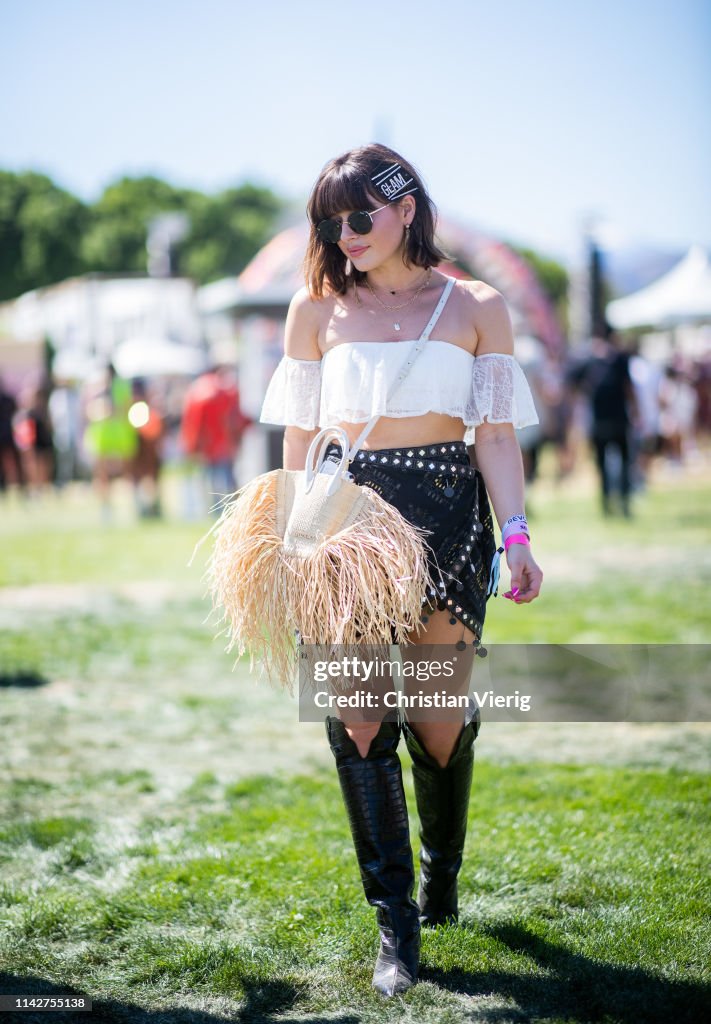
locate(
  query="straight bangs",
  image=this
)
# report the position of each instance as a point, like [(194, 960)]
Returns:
[(343, 189)]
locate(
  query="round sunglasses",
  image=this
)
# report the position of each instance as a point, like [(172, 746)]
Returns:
[(361, 221)]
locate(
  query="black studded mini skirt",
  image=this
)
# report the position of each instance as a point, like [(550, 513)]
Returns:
[(437, 488)]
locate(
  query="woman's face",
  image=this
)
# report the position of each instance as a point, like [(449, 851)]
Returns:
[(382, 242)]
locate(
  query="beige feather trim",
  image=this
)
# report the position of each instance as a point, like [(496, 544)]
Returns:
[(351, 586)]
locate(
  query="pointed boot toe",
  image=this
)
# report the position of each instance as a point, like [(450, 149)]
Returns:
[(397, 966)]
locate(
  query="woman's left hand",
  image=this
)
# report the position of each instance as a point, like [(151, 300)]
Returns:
[(525, 573)]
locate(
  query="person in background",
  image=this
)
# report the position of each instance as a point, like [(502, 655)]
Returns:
[(65, 411), (10, 461), (110, 439), (703, 392), (679, 403), (604, 378), (212, 427), (646, 440), (557, 410), (146, 463), (32, 428)]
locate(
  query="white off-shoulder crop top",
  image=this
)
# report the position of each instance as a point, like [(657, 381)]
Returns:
[(350, 385)]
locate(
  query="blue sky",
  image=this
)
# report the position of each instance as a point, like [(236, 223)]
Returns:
[(523, 117)]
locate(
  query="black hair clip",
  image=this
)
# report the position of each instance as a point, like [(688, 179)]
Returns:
[(392, 182)]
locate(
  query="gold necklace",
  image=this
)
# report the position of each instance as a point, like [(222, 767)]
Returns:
[(396, 323)]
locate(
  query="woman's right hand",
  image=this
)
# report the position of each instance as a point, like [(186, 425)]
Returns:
[(526, 574)]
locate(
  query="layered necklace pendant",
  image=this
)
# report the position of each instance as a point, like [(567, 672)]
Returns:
[(396, 324)]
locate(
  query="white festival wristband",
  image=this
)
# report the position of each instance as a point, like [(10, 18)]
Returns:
[(517, 524), (518, 520)]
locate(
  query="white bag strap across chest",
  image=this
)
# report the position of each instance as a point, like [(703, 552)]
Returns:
[(349, 453)]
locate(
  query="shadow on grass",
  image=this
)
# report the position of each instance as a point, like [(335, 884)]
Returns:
[(22, 679), (576, 989), (262, 1003)]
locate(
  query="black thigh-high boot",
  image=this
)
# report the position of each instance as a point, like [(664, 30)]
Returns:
[(375, 801), (442, 796)]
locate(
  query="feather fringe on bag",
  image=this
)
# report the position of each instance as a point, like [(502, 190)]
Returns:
[(350, 569)]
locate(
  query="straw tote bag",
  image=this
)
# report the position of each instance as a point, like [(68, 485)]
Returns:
[(312, 551)]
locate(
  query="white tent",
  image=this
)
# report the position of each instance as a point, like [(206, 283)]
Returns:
[(682, 295)]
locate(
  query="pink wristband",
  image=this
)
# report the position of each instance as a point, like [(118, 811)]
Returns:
[(516, 538)]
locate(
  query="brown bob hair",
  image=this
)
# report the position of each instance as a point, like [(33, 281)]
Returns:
[(343, 184)]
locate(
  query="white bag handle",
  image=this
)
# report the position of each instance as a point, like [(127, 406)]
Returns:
[(313, 468)]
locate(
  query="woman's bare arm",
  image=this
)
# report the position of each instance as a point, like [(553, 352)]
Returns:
[(296, 445), (497, 449), (300, 342), (499, 457)]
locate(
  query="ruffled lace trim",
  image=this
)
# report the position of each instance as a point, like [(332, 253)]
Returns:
[(294, 394), (500, 393), (445, 379)]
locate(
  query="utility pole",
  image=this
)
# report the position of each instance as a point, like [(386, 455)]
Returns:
[(164, 231)]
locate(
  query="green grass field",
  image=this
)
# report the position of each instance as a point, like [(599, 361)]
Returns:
[(173, 841)]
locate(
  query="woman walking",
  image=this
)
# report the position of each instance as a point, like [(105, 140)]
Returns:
[(373, 286)]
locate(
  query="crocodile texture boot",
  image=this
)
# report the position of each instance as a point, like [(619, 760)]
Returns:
[(442, 796), (375, 801)]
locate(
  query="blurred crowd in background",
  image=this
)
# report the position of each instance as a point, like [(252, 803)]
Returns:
[(111, 428), (609, 402), (603, 401)]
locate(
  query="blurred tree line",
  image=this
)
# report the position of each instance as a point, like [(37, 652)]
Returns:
[(47, 234)]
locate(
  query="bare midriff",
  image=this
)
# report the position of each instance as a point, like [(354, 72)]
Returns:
[(394, 432)]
